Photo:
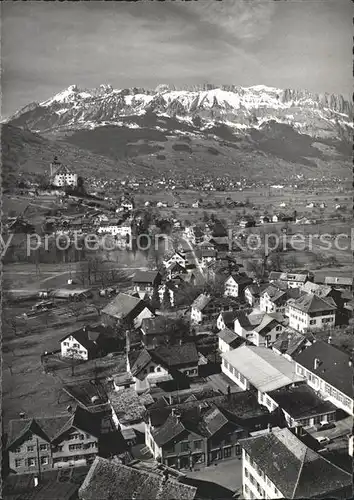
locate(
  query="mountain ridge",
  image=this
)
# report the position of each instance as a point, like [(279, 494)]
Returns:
[(215, 129)]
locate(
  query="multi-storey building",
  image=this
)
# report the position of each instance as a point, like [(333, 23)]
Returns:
[(310, 312), (43, 443), (329, 371), (61, 176), (277, 464)]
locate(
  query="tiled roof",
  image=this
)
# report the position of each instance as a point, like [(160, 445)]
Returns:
[(249, 321), (54, 484), (240, 279), (155, 326), (319, 290), (268, 323), (112, 481), (338, 280), (301, 401), (201, 301), (145, 276), (228, 335), (85, 337), (310, 303), (333, 366), (169, 430), (229, 317), (289, 341), (241, 406), (262, 367), (121, 306), (138, 361), (50, 428), (82, 420), (176, 355), (127, 405), (296, 470)]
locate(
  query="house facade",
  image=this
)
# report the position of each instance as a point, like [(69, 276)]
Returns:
[(328, 371), (311, 312), (44, 443), (177, 446)]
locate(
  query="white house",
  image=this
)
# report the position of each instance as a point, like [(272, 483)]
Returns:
[(228, 340), (268, 331), (329, 371), (235, 285), (310, 312), (116, 228), (61, 176), (268, 458), (81, 344), (177, 257)]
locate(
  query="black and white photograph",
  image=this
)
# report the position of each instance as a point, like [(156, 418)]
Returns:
[(177, 249)]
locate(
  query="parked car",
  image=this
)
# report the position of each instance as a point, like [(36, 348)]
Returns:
[(323, 440), (322, 426)]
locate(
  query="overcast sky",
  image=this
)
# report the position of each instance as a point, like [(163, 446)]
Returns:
[(47, 46)]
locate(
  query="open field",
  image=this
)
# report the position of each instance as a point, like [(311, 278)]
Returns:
[(26, 386)]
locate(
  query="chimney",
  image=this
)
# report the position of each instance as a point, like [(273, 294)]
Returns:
[(316, 363), (269, 428), (298, 430), (35, 481), (22, 415)]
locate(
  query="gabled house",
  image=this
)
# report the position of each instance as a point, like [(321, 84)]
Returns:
[(329, 371), (163, 363), (290, 343), (310, 312), (245, 323), (175, 258), (160, 330), (253, 292), (202, 434), (174, 270), (278, 464), (82, 344), (48, 442), (205, 255), (226, 319), (275, 298), (268, 331), (126, 309), (146, 281), (235, 285), (228, 340), (206, 309)]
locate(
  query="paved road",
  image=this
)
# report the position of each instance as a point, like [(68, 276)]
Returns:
[(195, 259), (227, 474)]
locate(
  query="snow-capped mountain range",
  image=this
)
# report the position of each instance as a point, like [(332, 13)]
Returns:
[(240, 108), (258, 131)]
